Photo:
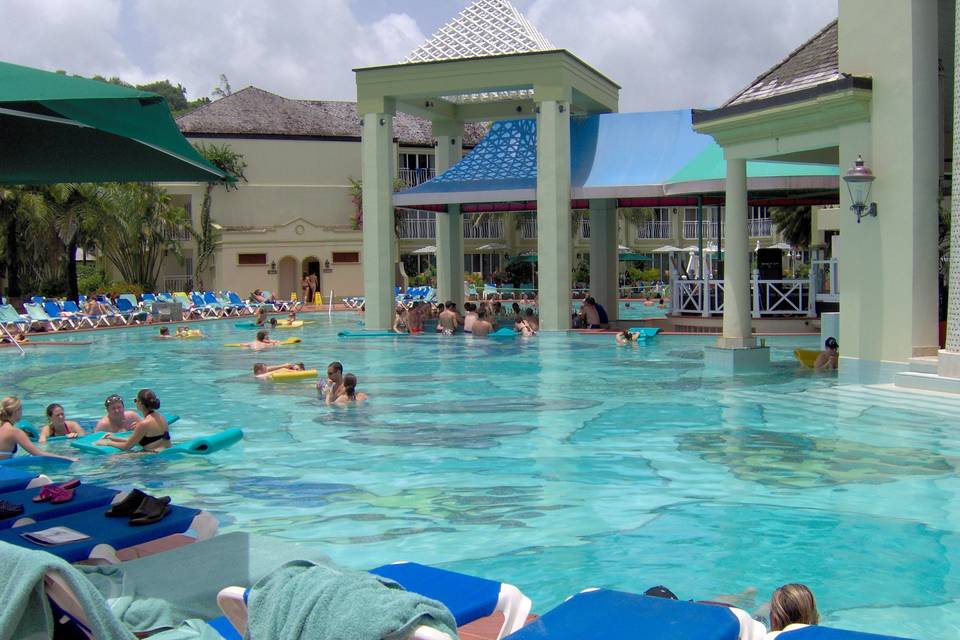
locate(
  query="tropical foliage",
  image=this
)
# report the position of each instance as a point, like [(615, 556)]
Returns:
[(356, 196), (793, 223), (207, 235)]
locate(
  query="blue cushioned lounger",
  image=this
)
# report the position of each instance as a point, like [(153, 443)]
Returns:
[(85, 497), (16, 479), (826, 633), (114, 532), (615, 615), (467, 597)]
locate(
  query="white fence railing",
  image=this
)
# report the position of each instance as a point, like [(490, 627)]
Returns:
[(585, 228), (768, 297), (528, 228), (710, 229), (484, 230), (413, 177), (417, 228), (756, 228), (759, 227), (654, 229), (178, 283)]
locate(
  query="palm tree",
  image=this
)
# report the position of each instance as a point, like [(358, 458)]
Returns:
[(794, 223), (9, 212), (139, 226), (232, 163)]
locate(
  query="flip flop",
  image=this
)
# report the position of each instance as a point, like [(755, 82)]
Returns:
[(51, 491), (128, 505), (9, 509), (152, 510), (63, 495)]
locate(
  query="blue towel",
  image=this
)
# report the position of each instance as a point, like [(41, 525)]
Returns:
[(26, 609), (306, 601)]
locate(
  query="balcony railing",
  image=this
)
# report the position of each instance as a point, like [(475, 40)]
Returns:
[(413, 177), (181, 235), (178, 283), (417, 228), (654, 229), (528, 229), (759, 227), (484, 230), (710, 229), (585, 228)]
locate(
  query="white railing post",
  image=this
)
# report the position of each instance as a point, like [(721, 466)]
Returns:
[(811, 294), (705, 305), (756, 293), (674, 291)]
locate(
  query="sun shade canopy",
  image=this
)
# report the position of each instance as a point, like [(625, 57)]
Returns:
[(59, 128), (612, 155)]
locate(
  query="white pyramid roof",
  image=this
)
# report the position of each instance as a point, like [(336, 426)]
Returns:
[(485, 28)]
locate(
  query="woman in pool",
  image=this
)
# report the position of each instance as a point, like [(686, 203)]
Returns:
[(261, 370), (350, 394), (58, 425), (627, 337), (400, 320), (792, 606), (260, 318), (117, 418), (152, 432), (12, 437)]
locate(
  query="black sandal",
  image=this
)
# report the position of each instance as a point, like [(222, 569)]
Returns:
[(9, 509), (151, 510)]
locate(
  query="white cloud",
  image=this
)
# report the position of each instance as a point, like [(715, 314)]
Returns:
[(665, 53)]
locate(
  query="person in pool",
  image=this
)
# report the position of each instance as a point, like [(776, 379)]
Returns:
[(117, 418), (400, 320), (12, 437), (58, 425), (334, 382), (165, 333), (627, 337), (350, 394), (260, 318), (261, 370), (792, 606), (152, 432), (829, 357)]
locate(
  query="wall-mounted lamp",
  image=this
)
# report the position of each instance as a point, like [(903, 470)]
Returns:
[(519, 109), (428, 104), (536, 109), (326, 264), (561, 108), (273, 265), (383, 122), (859, 178)]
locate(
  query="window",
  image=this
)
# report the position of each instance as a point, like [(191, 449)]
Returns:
[(483, 263), (252, 259), (346, 257)]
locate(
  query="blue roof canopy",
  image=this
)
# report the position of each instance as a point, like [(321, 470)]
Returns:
[(612, 155)]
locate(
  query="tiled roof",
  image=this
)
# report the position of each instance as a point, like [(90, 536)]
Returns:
[(255, 112), (814, 62)]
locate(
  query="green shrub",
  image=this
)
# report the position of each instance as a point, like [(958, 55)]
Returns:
[(116, 288), (91, 277)]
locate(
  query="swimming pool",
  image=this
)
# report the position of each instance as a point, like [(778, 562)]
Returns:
[(555, 463)]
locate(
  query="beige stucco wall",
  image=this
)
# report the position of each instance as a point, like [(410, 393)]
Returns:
[(889, 266)]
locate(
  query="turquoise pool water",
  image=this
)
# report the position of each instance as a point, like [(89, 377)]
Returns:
[(555, 463)]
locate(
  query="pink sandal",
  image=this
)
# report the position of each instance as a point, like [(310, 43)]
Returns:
[(57, 493)]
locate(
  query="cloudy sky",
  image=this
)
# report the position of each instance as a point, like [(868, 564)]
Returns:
[(664, 53)]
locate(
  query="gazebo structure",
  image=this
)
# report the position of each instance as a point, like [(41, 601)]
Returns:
[(489, 64)]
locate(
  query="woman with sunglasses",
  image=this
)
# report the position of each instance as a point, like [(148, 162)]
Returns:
[(152, 432), (117, 418)]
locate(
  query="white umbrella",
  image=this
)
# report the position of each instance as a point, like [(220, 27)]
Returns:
[(783, 246), (667, 248), (493, 246), (424, 250), (693, 248), (624, 249), (710, 248)]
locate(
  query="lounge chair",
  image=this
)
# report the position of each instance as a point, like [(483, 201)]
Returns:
[(39, 317), (206, 310), (85, 497), (225, 306), (79, 317), (469, 598), (612, 615), (13, 320), (17, 479), (54, 310), (189, 310), (130, 311), (107, 535), (245, 306)]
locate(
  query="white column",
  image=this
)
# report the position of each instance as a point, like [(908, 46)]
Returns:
[(953, 309), (736, 267), (378, 228), (603, 254), (554, 241), (449, 136)]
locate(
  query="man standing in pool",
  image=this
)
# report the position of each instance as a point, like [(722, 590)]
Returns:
[(117, 418), (333, 386), (447, 320)]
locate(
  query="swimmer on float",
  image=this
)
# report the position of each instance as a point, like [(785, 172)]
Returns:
[(151, 432), (58, 425), (117, 418), (261, 370), (12, 437)]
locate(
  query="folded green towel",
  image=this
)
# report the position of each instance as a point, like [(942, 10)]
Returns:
[(306, 601), (26, 610)]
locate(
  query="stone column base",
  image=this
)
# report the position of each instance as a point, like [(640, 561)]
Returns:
[(948, 364), (723, 342), (736, 360)]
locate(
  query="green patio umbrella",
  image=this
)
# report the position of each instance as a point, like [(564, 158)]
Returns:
[(59, 128)]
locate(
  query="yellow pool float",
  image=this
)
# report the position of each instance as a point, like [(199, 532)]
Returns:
[(806, 357), (291, 375), (296, 324), (192, 333), (281, 343)]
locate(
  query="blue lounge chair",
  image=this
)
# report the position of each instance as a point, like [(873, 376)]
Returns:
[(206, 309), (85, 497), (17, 479), (79, 318), (107, 535), (826, 633), (615, 615), (39, 317), (53, 309), (469, 598), (12, 320)]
